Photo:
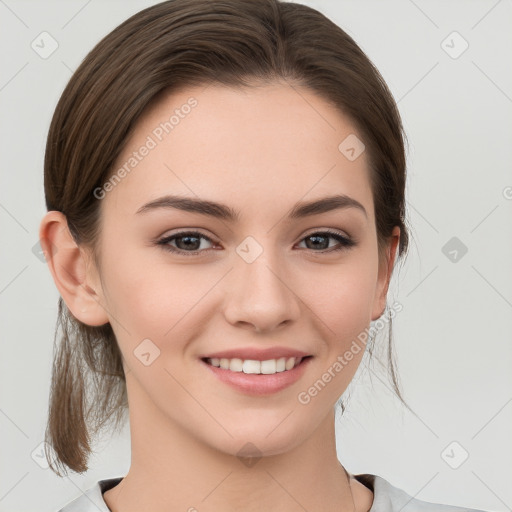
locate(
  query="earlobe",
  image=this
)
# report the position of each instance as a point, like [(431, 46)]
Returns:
[(71, 274), (385, 271)]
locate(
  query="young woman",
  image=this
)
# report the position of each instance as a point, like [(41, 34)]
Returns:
[(225, 191)]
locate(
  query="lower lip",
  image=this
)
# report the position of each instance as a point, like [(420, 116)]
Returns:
[(260, 384)]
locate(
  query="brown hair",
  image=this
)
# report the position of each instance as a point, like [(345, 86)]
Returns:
[(166, 47)]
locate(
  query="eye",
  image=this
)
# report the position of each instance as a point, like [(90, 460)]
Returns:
[(184, 240), (188, 243), (319, 238)]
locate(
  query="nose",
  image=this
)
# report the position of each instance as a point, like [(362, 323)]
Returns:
[(260, 295)]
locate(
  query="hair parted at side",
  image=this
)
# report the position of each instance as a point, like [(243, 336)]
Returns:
[(167, 47)]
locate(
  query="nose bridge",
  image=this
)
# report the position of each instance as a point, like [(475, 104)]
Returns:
[(259, 292)]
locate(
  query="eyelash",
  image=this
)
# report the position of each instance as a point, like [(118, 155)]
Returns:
[(345, 242)]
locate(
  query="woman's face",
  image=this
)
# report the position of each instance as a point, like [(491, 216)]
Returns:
[(268, 277)]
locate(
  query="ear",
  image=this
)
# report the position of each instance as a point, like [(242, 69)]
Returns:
[(384, 274), (70, 265)]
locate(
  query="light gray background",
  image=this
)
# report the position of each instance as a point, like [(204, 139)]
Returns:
[(453, 337)]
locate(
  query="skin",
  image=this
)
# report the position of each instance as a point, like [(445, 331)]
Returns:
[(258, 150)]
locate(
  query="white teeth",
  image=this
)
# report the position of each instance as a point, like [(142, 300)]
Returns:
[(236, 365), (281, 364), (267, 367), (251, 366)]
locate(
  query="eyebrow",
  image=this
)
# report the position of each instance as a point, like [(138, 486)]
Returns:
[(224, 212)]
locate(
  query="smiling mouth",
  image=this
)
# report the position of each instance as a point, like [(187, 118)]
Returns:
[(253, 366)]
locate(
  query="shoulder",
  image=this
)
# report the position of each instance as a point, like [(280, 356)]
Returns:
[(92, 499), (388, 498)]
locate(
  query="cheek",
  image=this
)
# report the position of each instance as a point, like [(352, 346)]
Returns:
[(145, 298), (162, 301), (342, 295), (350, 304), (343, 302)]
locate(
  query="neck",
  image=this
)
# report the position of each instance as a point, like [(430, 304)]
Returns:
[(173, 470)]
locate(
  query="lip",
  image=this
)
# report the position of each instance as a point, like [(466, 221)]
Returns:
[(259, 384), (257, 354)]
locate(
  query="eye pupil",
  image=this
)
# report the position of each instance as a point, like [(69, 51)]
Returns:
[(315, 238), (187, 244)]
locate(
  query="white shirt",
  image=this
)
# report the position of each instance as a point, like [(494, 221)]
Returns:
[(386, 498)]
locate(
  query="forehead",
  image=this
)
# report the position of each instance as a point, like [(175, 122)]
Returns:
[(248, 147)]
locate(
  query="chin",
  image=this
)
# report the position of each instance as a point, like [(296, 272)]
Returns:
[(256, 442)]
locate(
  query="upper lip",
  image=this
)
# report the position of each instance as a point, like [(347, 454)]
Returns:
[(257, 354)]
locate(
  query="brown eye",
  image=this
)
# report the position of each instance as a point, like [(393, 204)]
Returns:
[(187, 242), (320, 241)]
